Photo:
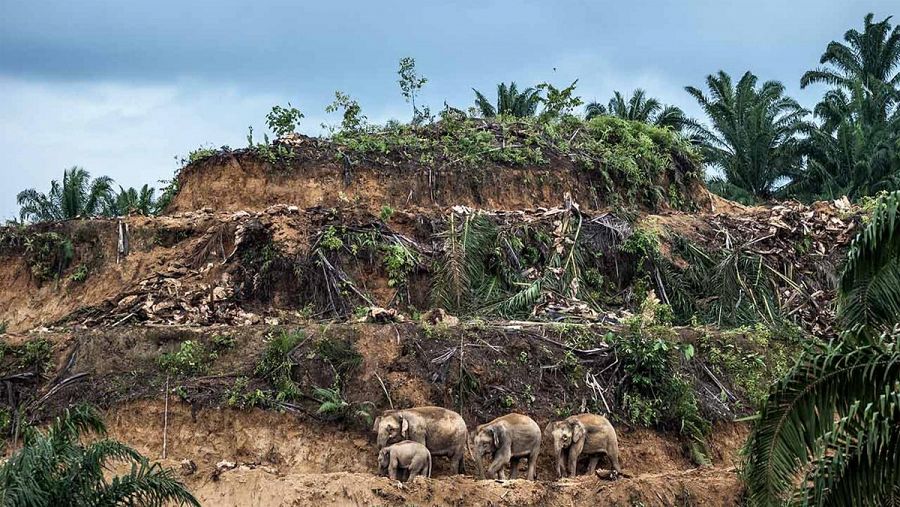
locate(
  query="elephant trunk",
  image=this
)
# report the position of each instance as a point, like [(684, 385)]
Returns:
[(477, 455), (382, 439)]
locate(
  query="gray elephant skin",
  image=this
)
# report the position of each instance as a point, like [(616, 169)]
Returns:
[(441, 431), (404, 461), (507, 439), (583, 436)]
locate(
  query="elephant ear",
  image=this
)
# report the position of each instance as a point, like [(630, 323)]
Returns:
[(404, 428), (499, 433), (577, 431)]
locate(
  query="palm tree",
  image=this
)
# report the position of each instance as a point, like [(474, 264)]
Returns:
[(510, 102), (141, 202), (77, 196), (829, 432), (853, 150), (639, 107), (56, 468), (753, 139), (869, 59)]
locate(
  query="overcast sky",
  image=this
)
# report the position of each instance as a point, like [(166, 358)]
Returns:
[(124, 88)]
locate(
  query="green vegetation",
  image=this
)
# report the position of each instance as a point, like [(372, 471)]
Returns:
[(33, 355), (283, 120), (191, 358), (276, 364), (48, 254), (640, 108), (510, 102), (132, 201), (56, 468), (655, 392), (754, 136), (77, 196), (829, 431)]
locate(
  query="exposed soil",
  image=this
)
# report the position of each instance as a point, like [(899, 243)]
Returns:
[(282, 460)]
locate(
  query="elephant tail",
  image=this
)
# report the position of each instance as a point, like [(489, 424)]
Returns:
[(429, 464)]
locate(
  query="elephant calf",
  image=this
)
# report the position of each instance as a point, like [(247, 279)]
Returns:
[(583, 435), (411, 457), (442, 431), (507, 439)]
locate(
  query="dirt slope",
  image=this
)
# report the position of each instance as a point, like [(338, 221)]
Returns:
[(280, 460)]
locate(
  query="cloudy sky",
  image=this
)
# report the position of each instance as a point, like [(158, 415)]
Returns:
[(124, 88)]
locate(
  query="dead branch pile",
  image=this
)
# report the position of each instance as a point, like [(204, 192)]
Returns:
[(803, 246)]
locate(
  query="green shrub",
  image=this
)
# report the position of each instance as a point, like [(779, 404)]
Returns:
[(191, 358), (80, 274), (276, 365), (48, 254)]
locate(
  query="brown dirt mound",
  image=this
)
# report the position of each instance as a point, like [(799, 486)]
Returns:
[(282, 460), (240, 182)]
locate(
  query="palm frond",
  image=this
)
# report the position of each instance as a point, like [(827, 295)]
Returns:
[(859, 463), (801, 409), (869, 301)]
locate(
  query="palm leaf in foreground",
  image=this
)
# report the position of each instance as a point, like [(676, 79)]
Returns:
[(860, 462), (869, 301), (801, 409), (55, 468)]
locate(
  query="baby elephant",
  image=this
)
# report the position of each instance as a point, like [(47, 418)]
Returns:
[(411, 457), (507, 439), (583, 435)]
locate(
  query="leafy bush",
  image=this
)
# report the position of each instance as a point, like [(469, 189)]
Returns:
[(191, 358), (283, 120), (48, 254), (239, 396), (276, 365), (80, 274)]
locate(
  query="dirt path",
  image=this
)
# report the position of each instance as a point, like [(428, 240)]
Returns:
[(275, 459)]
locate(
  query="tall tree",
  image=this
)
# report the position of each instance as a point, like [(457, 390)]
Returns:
[(510, 102), (141, 202), (853, 151), (639, 107), (77, 196), (55, 468), (829, 432), (753, 134)]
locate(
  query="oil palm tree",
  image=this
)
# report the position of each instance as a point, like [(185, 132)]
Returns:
[(55, 468), (639, 107), (77, 196), (868, 61), (141, 202), (854, 148), (753, 134), (510, 102), (829, 432)]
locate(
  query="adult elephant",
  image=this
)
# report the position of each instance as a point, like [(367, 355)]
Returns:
[(583, 435), (441, 430)]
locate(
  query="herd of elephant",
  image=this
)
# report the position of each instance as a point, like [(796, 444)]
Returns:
[(408, 439)]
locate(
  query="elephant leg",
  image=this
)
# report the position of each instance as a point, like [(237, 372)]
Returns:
[(614, 459), (456, 462), (592, 464), (392, 471), (514, 467), (532, 463), (573, 464), (496, 467)]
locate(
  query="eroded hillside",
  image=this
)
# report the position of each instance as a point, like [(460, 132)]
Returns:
[(292, 292)]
